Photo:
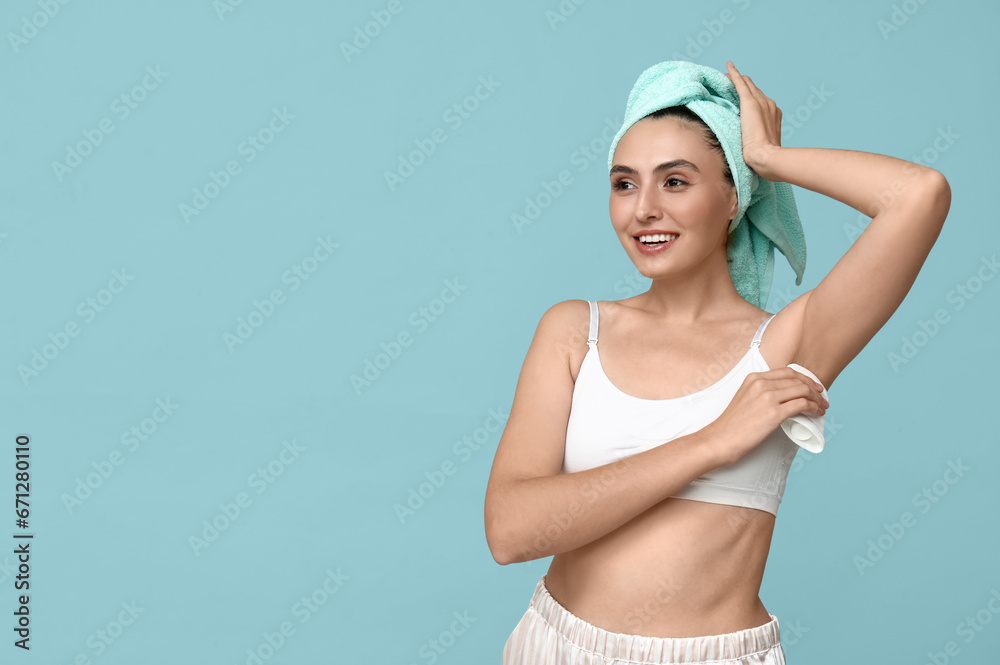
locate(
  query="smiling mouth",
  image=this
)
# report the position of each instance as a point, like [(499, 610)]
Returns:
[(654, 244), (656, 239)]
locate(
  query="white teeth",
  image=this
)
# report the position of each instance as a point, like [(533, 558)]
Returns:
[(659, 237)]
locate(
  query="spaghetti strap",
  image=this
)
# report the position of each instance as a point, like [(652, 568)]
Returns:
[(760, 332), (592, 340)]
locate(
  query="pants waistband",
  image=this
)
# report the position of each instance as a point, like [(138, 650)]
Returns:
[(642, 649)]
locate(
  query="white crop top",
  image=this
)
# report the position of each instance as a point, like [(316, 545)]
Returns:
[(606, 425)]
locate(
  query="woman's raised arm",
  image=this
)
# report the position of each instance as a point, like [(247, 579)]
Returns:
[(908, 204)]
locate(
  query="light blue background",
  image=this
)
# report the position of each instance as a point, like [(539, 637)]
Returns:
[(891, 430)]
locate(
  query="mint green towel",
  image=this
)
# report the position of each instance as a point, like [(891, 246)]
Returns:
[(767, 216)]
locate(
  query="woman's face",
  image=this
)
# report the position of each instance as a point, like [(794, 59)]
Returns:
[(666, 180)]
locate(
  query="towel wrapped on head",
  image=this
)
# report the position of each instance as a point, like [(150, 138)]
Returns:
[(767, 216)]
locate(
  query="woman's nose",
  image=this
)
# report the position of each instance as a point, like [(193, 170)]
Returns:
[(647, 204)]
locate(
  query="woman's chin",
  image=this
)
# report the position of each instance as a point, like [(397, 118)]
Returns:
[(644, 269)]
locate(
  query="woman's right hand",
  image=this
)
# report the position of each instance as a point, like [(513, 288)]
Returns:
[(762, 403)]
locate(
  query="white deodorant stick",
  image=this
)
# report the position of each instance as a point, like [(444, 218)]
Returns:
[(804, 428)]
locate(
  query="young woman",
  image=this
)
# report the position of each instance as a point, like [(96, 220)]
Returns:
[(651, 464)]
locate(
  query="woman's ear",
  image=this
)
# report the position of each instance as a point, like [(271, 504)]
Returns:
[(735, 205), (729, 194)]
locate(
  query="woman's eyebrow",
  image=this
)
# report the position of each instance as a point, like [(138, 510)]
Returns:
[(665, 166)]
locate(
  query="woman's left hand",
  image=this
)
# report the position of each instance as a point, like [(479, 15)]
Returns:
[(760, 122)]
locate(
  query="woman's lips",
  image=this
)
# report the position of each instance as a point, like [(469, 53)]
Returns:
[(651, 250)]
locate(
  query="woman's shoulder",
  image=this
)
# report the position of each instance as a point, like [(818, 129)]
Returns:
[(565, 320), (566, 311), (563, 331)]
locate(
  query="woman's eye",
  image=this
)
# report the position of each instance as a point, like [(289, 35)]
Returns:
[(672, 183)]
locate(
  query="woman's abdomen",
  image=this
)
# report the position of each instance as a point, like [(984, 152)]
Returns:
[(680, 569)]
